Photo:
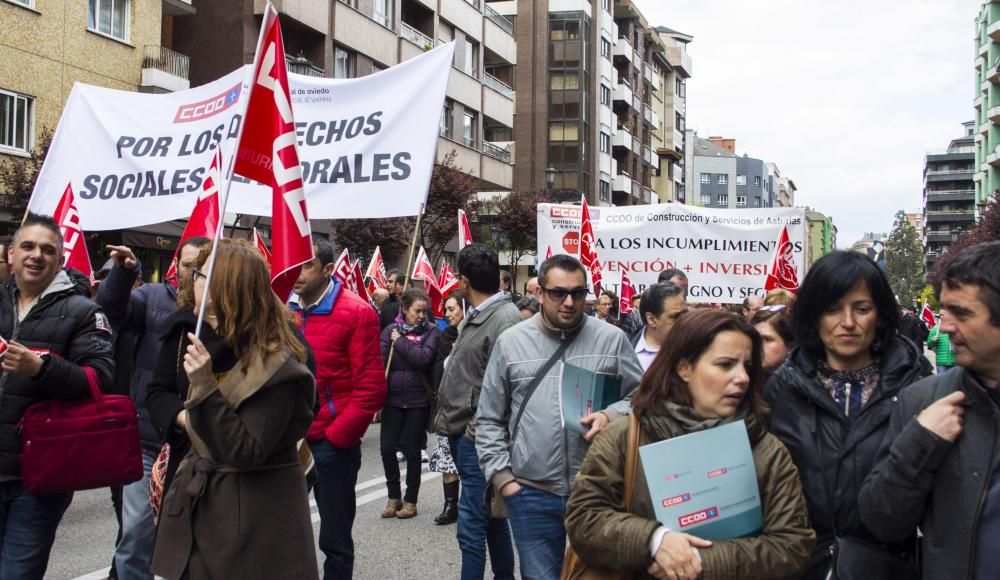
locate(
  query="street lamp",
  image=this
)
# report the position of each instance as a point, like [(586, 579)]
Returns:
[(550, 176)]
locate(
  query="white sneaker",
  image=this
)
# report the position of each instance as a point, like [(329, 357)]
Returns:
[(400, 456), (423, 456)]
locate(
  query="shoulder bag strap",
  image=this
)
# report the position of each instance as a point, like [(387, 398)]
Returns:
[(539, 377), (631, 458)]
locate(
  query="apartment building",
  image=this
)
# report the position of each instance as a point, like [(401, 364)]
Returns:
[(592, 119), (986, 169), (822, 236), (782, 188), (721, 178), (47, 45), (354, 38), (949, 194), (670, 182)]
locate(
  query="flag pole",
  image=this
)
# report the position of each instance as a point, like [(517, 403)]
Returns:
[(228, 175), (406, 278)]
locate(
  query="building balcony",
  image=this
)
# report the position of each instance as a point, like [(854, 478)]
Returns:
[(940, 236), (495, 152), (647, 156), (500, 20), (984, 128), (994, 31), (415, 36), (164, 71), (993, 159), (993, 74), (637, 102), (679, 60), (622, 138), (656, 120), (656, 81), (649, 196), (945, 195), (621, 182), (647, 73), (994, 114), (622, 50), (984, 49), (178, 8), (636, 146), (678, 173), (636, 190), (647, 114), (950, 215), (315, 15), (623, 92)]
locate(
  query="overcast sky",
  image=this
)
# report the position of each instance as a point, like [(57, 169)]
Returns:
[(845, 96)]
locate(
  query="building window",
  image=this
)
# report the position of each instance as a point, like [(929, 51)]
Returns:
[(606, 48), (605, 95), (724, 199), (756, 181), (343, 63), (706, 178), (469, 129), (741, 180), (681, 88), (470, 54), (16, 112), (447, 118), (605, 142), (560, 81), (722, 179), (706, 199), (28, 3), (741, 201), (109, 17), (605, 190), (756, 201), (382, 13)]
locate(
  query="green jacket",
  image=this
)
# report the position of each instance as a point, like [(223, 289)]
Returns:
[(605, 535), (941, 344)]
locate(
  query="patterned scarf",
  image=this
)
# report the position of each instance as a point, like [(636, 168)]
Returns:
[(851, 390)]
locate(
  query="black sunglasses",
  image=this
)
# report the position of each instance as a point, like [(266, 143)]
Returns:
[(560, 294)]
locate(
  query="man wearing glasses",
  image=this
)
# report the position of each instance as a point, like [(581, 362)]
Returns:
[(142, 311), (533, 468)]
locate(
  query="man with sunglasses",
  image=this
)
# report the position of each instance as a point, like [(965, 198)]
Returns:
[(142, 311), (533, 463)]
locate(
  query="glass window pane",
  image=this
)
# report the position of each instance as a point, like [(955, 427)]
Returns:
[(104, 16), (119, 13), (91, 13), (20, 123), (6, 120)]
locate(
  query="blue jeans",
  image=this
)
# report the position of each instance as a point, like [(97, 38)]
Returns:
[(135, 549), (337, 471), (536, 518), (27, 529), (475, 527)]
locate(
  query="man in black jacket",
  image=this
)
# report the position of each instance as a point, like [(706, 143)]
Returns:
[(390, 308), (60, 345), (937, 468), (142, 311)]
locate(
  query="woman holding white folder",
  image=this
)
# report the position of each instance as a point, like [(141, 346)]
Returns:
[(708, 374)]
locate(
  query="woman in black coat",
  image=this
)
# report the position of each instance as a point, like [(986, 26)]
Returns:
[(441, 460), (831, 402)]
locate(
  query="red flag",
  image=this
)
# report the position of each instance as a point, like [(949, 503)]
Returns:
[(548, 252), (261, 246), (783, 273), (376, 272), (74, 246), (627, 294), (588, 251), (358, 280), (343, 271), (447, 281), (267, 154), (204, 220), (928, 316), (422, 270), (464, 234)]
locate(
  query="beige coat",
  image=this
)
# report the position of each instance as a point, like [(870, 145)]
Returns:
[(238, 507)]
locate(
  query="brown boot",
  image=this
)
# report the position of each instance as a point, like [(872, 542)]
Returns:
[(392, 508), (407, 511)]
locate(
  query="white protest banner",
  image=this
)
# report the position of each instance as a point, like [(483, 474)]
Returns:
[(724, 252), (366, 146)]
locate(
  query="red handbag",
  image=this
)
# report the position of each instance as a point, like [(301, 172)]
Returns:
[(74, 445)]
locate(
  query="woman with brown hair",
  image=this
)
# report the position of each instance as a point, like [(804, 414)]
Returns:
[(238, 506), (708, 374)]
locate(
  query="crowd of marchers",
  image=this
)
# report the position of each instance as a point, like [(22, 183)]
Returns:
[(868, 464)]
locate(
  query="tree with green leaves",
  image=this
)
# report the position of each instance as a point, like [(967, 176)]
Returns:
[(904, 260), (512, 219), (987, 229)]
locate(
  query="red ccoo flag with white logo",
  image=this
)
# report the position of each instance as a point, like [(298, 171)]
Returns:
[(358, 281), (261, 246), (783, 273), (267, 154), (464, 234), (588, 251), (447, 280), (423, 270), (375, 274), (204, 220), (627, 294), (927, 315), (74, 246), (343, 271)]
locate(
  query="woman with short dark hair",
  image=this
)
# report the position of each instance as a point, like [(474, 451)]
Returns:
[(832, 398), (708, 374), (774, 323), (409, 348)]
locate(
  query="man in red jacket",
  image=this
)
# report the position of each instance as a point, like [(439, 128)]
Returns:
[(343, 331)]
